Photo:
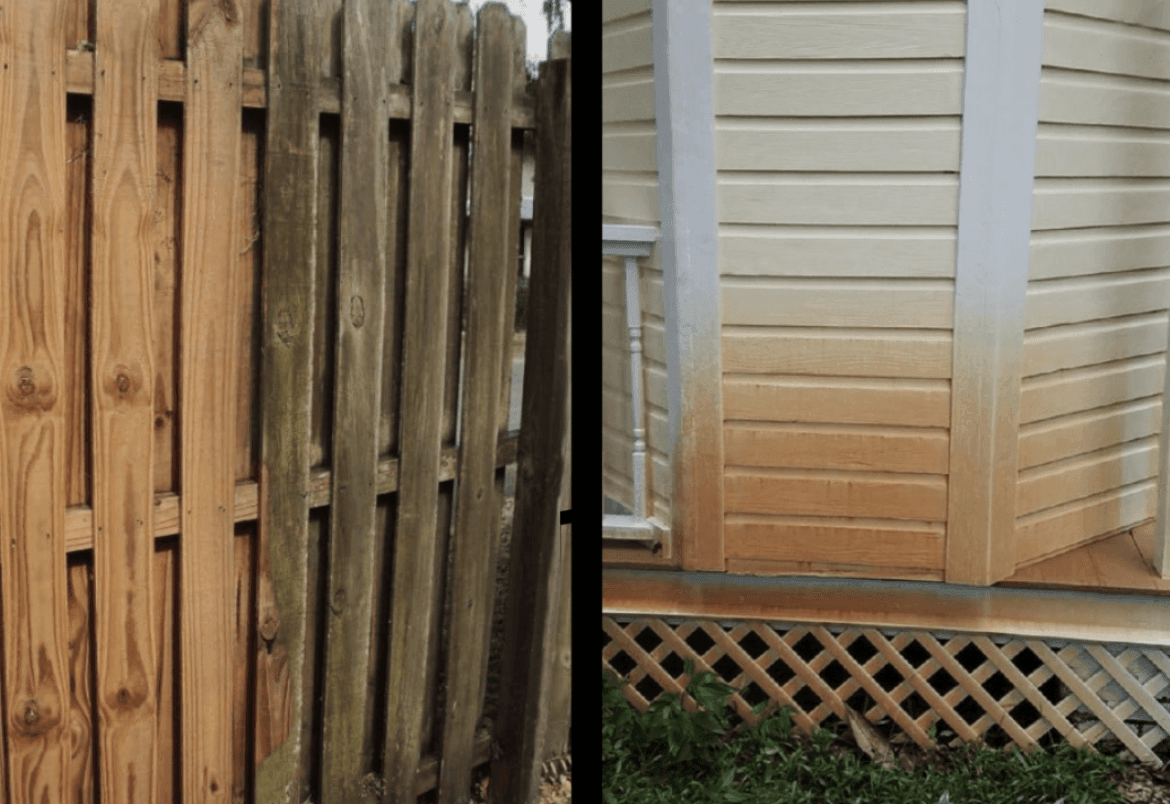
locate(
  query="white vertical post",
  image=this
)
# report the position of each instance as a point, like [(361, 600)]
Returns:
[(634, 325), (684, 116), (1001, 91)]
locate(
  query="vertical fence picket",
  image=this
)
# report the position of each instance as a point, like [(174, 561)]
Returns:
[(283, 683), (476, 515), (207, 394), (33, 583), (122, 300), (348, 718), (534, 577), (421, 409)]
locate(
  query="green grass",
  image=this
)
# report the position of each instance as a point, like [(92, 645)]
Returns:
[(668, 755)]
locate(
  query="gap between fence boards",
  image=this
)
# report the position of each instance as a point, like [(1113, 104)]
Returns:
[(172, 86), (79, 519)]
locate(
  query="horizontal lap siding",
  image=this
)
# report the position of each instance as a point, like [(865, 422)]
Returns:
[(1099, 276), (628, 162), (837, 146)]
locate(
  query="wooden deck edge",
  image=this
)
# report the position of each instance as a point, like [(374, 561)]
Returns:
[(1057, 614), (172, 86), (79, 518)]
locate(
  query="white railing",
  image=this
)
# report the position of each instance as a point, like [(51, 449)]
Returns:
[(632, 242)]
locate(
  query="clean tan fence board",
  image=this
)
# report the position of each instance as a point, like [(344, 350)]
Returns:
[(1070, 96), (1064, 150), (1059, 529), (916, 403), (124, 154), (1068, 301), (1132, 12), (776, 32), (913, 87), (627, 44), (834, 493), (1075, 390), (1104, 46), (1069, 203), (918, 145), (872, 545), (848, 352), (830, 199), (1083, 432), (839, 303), (1076, 252), (1086, 475), (32, 415), (845, 250), (1093, 342), (879, 449)]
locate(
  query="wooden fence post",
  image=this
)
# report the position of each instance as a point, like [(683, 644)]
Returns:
[(32, 402), (534, 577), (283, 683)]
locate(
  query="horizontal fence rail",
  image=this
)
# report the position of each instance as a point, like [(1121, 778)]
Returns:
[(256, 343)]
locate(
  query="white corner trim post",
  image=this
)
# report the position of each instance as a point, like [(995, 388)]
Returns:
[(1001, 91), (685, 120)]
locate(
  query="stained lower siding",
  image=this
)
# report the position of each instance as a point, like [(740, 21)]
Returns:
[(1098, 283), (837, 146)]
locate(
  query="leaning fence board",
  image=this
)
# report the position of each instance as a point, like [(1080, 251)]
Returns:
[(77, 233), (360, 298), (207, 388), (423, 348), (284, 676), (534, 572), (33, 583), (122, 299), (476, 502)]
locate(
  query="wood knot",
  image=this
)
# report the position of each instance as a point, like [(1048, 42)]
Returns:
[(25, 384), (337, 604), (284, 327), (269, 626), (123, 383), (31, 713), (357, 311), (30, 390)]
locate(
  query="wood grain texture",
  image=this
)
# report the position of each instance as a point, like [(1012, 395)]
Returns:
[(1086, 344), (912, 252), (820, 198), (1094, 99), (1097, 250), (168, 221), (534, 591), (361, 290), (853, 546), (914, 87), (810, 446), (81, 731), (856, 32), (1083, 432), (423, 348), (288, 292), (1086, 475), (918, 145), (246, 304), (33, 581), (122, 307), (835, 493), (856, 352), (1075, 390), (1059, 529), (1069, 301), (167, 634), (915, 403), (488, 332), (838, 303), (208, 393), (1104, 46)]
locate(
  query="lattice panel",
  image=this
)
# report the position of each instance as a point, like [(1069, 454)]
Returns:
[(984, 689)]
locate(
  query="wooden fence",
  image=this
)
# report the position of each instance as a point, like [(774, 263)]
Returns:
[(252, 341)]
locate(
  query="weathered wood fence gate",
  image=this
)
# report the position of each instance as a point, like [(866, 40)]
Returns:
[(257, 257)]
